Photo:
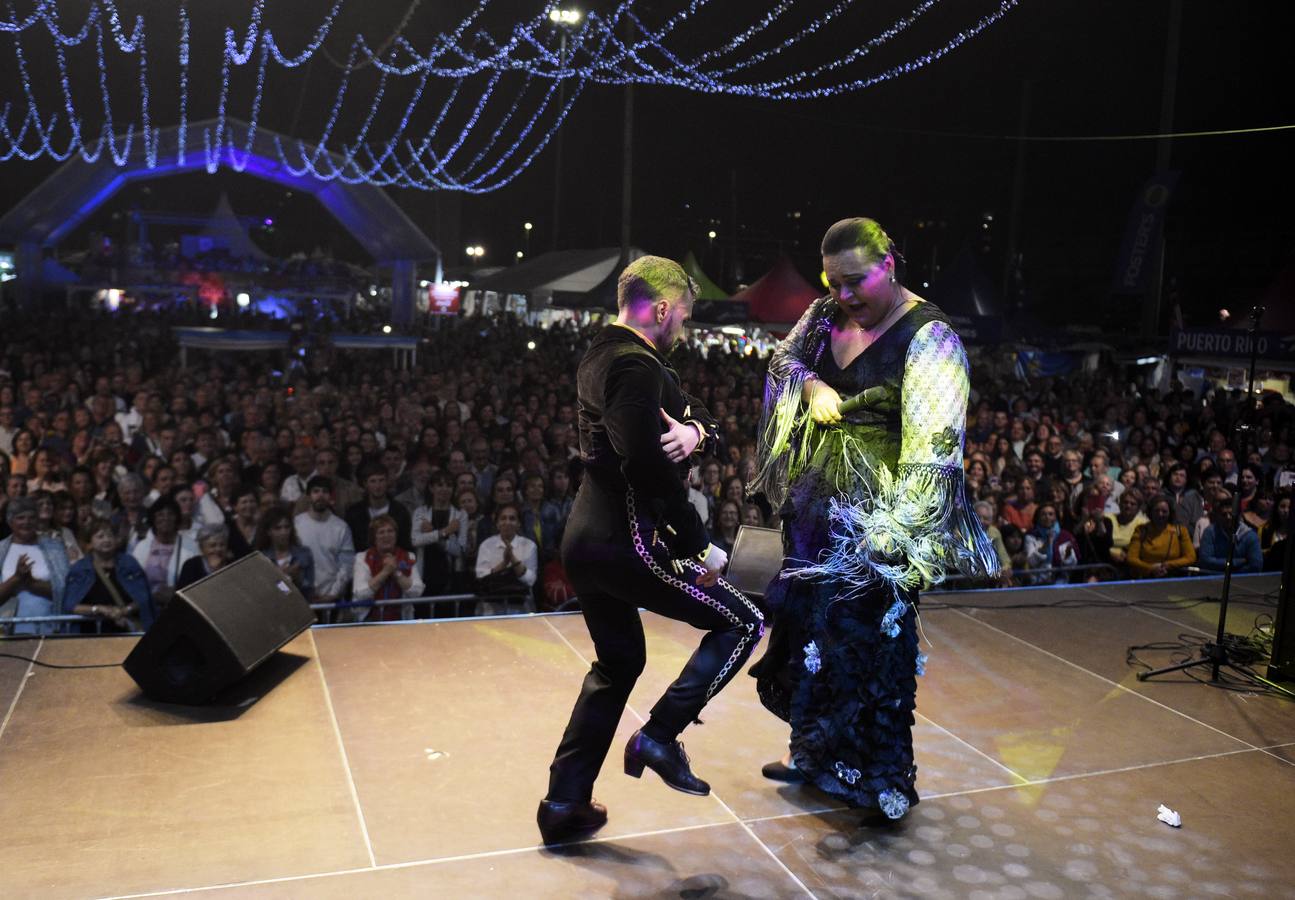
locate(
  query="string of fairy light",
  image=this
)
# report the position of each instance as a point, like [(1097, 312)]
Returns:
[(504, 95)]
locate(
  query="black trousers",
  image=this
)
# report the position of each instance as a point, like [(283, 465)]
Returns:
[(617, 563)]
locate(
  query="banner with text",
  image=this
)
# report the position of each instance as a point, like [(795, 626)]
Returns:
[(1134, 272), (1230, 343)]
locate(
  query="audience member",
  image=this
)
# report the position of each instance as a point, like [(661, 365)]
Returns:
[(213, 555), (277, 540), (439, 530), (1160, 547), (507, 563), (164, 550), (384, 571), (1048, 546), (108, 586), (33, 569), (377, 502), (1216, 542), (328, 538)]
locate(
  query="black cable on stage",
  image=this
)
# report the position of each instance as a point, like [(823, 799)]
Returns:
[(1243, 649), (31, 659)]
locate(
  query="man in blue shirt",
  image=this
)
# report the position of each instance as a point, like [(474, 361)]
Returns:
[(1213, 554)]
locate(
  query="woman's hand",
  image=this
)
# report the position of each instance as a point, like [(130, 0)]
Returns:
[(824, 403)]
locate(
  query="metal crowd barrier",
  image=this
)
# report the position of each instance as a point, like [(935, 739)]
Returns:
[(506, 599), (958, 577)]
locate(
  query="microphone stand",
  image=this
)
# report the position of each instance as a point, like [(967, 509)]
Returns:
[(1216, 655)]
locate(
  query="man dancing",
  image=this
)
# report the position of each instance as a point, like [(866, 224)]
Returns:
[(633, 539)]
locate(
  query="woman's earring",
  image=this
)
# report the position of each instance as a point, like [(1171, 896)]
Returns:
[(892, 277)]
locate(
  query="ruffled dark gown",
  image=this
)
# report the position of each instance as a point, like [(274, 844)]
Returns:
[(832, 668)]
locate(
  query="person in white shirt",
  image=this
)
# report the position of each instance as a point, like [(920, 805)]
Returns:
[(7, 428), (329, 540), (302, 461), (131, 420), (507, 563), (164, 550)]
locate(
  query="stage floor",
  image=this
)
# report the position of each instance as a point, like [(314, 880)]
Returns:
[(406, 760)]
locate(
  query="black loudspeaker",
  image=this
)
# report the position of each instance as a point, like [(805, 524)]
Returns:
[(755, 560), (1282, 667), (217, 630)]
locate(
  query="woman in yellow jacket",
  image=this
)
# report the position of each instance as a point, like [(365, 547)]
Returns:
[(1160, 546)]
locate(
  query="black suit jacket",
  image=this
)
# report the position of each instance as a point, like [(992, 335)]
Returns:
[(357, 516), (622, 384)]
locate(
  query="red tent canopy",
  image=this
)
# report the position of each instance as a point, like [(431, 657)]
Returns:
[(780, 296)]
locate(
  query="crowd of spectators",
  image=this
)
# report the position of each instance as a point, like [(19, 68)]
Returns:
[(1077, 481), (126, 476)]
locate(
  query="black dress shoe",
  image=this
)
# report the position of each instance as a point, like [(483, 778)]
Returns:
[(779, 771), (667, 760), (561, 821)]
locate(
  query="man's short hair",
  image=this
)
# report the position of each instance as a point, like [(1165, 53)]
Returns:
[(369, 468), (499, 510), (319, 481), (648, 278)]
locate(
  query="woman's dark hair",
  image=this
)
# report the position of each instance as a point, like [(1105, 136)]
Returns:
[(1038, 510), (240, 492), (865, 234), (1258, 472), (273, 517), (162, 504), (1163, 498)]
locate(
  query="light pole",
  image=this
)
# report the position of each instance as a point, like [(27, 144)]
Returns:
[(563, 19), (526, 237)]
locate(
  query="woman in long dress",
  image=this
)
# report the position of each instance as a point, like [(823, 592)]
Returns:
[(873, 508)]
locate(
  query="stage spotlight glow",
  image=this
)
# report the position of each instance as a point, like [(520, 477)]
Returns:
[(244, 299)]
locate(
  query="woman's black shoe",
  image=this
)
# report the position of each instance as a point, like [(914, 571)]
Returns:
[(561, 821), (667, 760), (778, 771)]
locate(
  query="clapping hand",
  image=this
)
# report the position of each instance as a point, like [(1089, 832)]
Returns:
[(680, 438), (24, 566)]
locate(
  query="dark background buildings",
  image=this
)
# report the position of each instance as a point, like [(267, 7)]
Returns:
[(931, 154)]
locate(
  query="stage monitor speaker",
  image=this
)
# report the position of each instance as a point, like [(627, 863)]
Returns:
[(1282, 667), (756, 559), (217, 630)]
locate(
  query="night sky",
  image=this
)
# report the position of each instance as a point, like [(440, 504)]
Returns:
[(932, 147)]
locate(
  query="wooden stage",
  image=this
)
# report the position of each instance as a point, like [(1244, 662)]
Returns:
[(406, 760)]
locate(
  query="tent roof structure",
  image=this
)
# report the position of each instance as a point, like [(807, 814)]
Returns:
[(709, 289), (562, 271), (224, 227), (77, 188), (779, 296)]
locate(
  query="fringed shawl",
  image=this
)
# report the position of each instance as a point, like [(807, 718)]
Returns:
[(906, 527)]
